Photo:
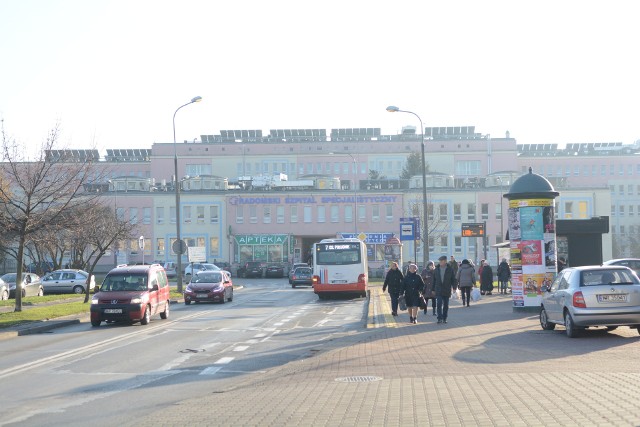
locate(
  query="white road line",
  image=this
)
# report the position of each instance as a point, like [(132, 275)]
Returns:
[(223, 360), (260, 335), (210, 370), (241, 348)]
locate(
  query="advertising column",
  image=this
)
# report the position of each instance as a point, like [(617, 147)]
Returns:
[(532, 239)]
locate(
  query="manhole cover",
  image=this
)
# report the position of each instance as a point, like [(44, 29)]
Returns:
[(358, 379)]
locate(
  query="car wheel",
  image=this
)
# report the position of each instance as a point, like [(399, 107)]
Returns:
[(611, 328), (293, 286), (4, 296), (41, 292), (187, 302), (544, 321), (572, 330), (78, 290), (146, 318), (165, 313), (24, 293), (231, 296), (95, 323), (638, 329)]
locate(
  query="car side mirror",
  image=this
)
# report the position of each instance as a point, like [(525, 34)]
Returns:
[(155, 287), (544, 288)]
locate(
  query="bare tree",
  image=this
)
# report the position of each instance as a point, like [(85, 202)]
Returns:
[(37, 190)]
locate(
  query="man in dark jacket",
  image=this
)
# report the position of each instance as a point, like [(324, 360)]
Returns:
[(504, 275), (393, 281), (444, 281)]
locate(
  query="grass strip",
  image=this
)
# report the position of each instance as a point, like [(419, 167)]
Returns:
[(36, 314)]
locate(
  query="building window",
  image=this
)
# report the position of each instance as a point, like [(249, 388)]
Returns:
[(294, 214), (146, 215), (308, 214), (172, 214), (160, 214), (239, 215), (631, 213), (603, 169), (362, 213), (484, 207), (416, 212), (133, 215), (160, 247), (200, 214), (335, 213), (266, 214), (375, 213), (444, 243), (568, 210), (389, 213), (186, 212), (621, 190), (321, 214), (253, 214), (457, 212), (348, 213), (214, 246), (457, 244), (214, 214), (280, 214), (622, 229), (443, 212), (471, 211), (621, 210), (498, 210)]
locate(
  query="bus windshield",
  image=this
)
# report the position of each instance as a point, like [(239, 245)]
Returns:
[(337, 253)]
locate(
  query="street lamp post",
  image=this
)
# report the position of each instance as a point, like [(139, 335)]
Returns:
[(355, 193), (425, 254), (179, 245), (501, 212)]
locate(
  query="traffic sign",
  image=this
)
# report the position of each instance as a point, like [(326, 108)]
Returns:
[(179, 247)]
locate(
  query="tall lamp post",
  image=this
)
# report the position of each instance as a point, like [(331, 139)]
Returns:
[(355, 193), (501, 212), (179, 244), (425, 255)]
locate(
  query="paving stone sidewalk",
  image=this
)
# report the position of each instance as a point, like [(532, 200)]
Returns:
[(486, 366)]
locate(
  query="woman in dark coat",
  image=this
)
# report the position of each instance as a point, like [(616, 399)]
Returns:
[(486, 279), (429, 292), (412, 287), (393, 281)]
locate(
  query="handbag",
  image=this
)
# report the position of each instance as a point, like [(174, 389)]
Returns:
[(422, 303), (402, 303)]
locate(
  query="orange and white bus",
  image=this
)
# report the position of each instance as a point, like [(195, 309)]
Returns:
[(340, 267)]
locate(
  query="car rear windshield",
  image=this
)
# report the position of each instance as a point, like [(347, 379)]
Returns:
[(208, 277), (608, 277), (124, 282), (303, 270)]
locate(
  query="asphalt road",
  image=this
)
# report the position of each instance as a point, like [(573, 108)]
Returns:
[(111, 374)]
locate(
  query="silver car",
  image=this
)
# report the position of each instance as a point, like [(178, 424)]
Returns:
[(65, 281), (31, 285), (581, 297)]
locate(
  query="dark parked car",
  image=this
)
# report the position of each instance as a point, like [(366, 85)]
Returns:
[(274, 270), (250, 269), (581, 297), (209, 286), (31, 285), (301, 276), (131, 294)]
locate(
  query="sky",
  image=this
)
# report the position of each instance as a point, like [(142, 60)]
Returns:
[(111, 74)]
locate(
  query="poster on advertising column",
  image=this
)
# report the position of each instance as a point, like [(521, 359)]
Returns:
[(533, 254)]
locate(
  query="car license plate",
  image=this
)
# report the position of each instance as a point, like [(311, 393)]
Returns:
[(201, 295), (613, 298), (339, 282), (113, 310)]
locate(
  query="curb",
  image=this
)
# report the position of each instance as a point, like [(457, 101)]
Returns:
[(38, 327)]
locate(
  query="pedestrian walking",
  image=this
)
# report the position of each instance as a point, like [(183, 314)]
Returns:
[(466, 278), (412, 287), (429, 293), (454, 265), (486, 279), (443, 282), (504, 275), (393, 282)]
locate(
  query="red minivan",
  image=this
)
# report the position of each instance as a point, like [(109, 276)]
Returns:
[(131, 293)]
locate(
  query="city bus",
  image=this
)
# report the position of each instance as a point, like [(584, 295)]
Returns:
[(340, 267)]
